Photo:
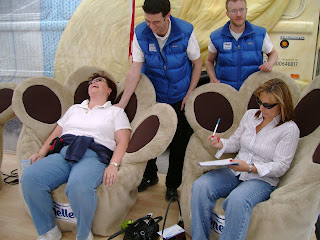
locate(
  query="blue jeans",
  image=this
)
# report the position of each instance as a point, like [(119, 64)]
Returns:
[(82, 179), (241, 197)]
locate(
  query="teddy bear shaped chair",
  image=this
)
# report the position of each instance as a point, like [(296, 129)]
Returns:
[(6, 112), (40, 101), (293, 208)]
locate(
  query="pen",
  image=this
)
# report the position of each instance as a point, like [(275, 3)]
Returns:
[(215, 129)]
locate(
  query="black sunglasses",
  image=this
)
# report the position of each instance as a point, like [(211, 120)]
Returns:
[(266, 105), (98, 79)]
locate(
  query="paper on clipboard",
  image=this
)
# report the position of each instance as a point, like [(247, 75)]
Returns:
[(171, 231), (223, 162)]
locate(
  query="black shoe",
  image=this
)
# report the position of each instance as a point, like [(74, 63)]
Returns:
[(171, 192), (147, 182)]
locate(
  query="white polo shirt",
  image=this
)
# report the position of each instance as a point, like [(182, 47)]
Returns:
[(100, 123), (193, 49)]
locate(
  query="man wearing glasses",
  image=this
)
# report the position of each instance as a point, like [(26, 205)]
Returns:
[(166, 50), (236, 49)]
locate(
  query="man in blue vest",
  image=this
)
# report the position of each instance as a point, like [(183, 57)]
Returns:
[(236, 49), (166, 50)]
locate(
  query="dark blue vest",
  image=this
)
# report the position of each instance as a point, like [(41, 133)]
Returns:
[(169, 70), (237, 60)]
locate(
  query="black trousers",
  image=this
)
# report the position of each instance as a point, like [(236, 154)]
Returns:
[(177, 151)]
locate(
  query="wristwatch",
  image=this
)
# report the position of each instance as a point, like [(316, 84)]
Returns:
[(250, 168), (115, 164)]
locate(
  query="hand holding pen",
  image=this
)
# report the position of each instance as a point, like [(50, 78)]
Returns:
[(214, 139), (215, 129)]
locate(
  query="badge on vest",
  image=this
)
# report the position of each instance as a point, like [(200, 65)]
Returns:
[(227, 45), (152, 47)]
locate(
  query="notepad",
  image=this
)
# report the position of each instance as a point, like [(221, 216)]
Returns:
[(223, 162), (171, 231)]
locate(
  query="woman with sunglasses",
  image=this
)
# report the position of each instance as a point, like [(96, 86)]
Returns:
[(95, 136), (266, 141)]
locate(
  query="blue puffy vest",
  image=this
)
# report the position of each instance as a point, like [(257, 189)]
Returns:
[(169, 70), (237, 60)]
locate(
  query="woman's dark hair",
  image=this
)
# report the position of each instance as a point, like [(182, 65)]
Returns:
[(156, 6), (111, 84), (279, 89)]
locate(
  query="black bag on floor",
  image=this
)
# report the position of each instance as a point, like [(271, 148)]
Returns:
[(145, 228)]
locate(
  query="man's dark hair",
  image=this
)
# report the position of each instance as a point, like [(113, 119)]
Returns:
[(156, 6)]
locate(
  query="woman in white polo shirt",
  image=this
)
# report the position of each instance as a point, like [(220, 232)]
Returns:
[(266, 142), (96, 136)]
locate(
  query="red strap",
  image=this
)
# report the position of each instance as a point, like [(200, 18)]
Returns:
[(132, 28), (52, 145)]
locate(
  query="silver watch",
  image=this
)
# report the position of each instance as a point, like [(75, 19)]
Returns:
[(250, 168), (114, 164)]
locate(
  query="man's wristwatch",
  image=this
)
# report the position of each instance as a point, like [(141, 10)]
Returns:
[(250, 168), (115, 164)]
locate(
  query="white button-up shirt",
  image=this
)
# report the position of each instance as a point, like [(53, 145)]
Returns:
[(271, 150)]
